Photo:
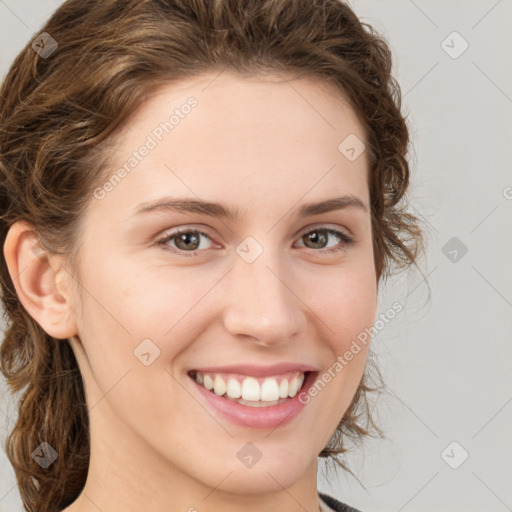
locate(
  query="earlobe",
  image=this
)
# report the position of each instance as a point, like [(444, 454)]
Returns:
[(35, 275)]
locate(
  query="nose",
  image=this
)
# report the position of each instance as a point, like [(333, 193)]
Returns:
[(261, 303)]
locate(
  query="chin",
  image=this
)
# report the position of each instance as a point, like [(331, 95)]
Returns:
[(273, 472), (262, 481)]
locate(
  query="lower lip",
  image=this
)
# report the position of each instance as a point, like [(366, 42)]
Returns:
[(269, 417)]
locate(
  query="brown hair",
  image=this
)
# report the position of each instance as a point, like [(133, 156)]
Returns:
[(55, 113)]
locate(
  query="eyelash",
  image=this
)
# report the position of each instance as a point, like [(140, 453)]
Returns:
[(345, 241)]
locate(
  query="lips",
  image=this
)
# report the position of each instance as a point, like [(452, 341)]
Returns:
[(262, 413)]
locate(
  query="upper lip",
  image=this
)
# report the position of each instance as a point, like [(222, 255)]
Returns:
[(259, 371)]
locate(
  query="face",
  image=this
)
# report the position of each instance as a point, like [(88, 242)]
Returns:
[(268, 292)]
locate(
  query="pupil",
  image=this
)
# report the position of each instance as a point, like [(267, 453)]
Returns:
[(186, 238), (314, 236)]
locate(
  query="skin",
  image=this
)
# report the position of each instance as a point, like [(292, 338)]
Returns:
[(265, 146)]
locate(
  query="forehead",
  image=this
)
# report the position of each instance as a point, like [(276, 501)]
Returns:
[(212, 136)]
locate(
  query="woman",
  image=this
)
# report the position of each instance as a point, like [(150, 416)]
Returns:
[(199, 200)]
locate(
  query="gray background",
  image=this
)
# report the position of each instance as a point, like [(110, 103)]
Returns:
[(447, 358)]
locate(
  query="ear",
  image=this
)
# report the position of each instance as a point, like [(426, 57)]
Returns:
[(42, 286)]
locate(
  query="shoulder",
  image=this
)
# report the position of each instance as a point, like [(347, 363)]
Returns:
[(336, 505)]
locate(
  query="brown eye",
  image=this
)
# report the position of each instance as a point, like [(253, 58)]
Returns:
[(318, 239), (185, 241)]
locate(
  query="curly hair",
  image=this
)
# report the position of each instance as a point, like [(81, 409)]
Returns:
[(57, 114)]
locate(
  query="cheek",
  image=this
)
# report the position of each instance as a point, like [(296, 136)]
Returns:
[(344, 299), (356, 309), (346, 309)]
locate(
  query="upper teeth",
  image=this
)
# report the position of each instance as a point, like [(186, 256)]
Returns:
[(250, 388)]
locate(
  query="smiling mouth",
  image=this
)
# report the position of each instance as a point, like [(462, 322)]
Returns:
[(249, 390)]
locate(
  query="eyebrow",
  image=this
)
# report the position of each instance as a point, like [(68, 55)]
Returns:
[(219, 210)]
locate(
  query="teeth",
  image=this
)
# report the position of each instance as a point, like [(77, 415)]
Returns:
[(234, 389), (208, 382), (219, 386), (269, 390), (292, 391), (283, 388), (295, 385), (250, 390), (260, 404)]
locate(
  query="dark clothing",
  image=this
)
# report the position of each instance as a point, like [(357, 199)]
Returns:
[(336, 505)]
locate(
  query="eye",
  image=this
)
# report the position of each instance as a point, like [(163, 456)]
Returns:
[(189, 241), (320, 235)]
